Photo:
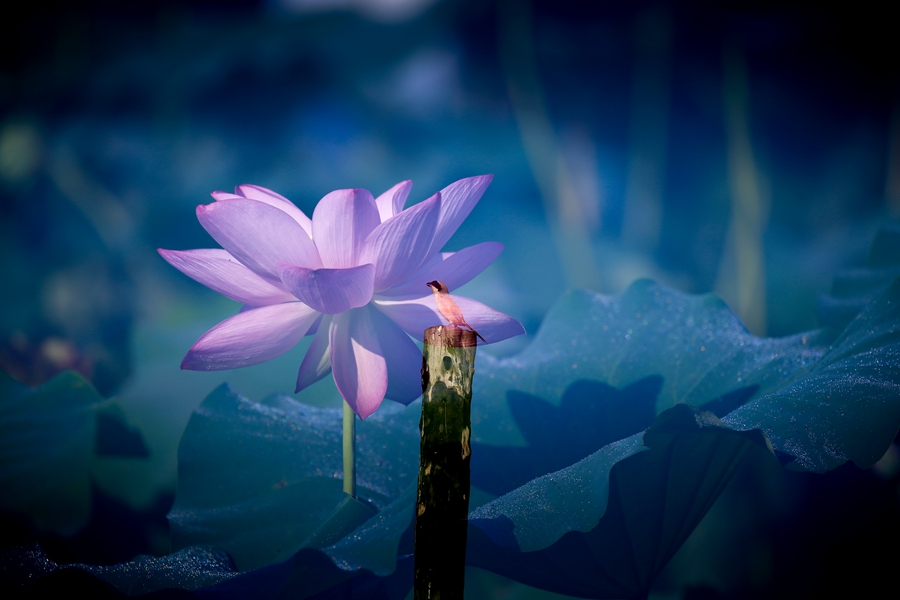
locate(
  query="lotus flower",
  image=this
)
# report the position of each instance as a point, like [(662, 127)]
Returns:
[(354, 276)]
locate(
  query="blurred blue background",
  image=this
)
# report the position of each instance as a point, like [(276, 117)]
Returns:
[(750, 150)]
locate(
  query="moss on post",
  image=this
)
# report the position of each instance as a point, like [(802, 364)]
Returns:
[(442, 502)]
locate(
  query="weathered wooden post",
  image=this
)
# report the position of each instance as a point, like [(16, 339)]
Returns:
[(442, 502)]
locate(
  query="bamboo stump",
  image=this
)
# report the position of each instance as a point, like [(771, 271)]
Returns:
[(442, 502)]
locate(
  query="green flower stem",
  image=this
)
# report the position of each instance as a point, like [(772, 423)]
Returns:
[(442, 502), (349, 451)]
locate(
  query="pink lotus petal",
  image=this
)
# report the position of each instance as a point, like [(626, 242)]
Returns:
[(357, 363), (403, 359), (314, 328), (255, 192), (317, 362), (219, 196), (219, 271), (258, 235), (418, 314), (399, 246), (455, 269), (250, 337), (392, 201), (457, 201), (329, 291), (341, 223)]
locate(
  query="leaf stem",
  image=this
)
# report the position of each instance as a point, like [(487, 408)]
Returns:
[(349, 448)]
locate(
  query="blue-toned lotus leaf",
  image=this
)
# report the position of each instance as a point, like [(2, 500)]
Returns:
[(844, 407), (116, 437), (46, 446), (188, 569), (590, 415), (657, 493), (312, 575), (49, 440), (376, 544), (375, 562), (540, 512), (852, 289), (349, 514), (602, 526), (258, 479), (693, 345), (575, 531), (651, 489)]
